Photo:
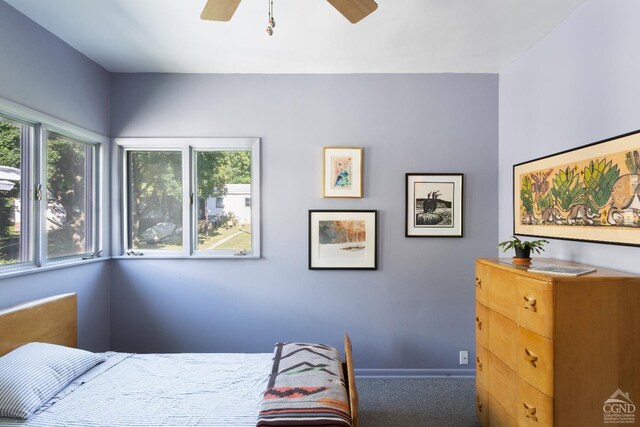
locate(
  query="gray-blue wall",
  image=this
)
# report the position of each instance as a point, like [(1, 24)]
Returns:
[(416, 311), (578, 85), (39, 71)]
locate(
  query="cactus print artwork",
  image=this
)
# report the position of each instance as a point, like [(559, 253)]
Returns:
[(591, 193)]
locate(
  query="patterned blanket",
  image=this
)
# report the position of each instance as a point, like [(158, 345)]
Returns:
[(306, 388)]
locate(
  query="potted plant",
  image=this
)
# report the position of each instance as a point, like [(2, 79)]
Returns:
[(523, 248)]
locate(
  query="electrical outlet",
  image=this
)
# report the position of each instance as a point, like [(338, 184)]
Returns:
[(464, 357)]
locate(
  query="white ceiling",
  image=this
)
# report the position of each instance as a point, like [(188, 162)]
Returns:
[(402, 36)]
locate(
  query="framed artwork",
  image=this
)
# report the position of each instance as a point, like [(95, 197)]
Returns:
[(590, 193), (433, 205), (343, 240), (342, 172)]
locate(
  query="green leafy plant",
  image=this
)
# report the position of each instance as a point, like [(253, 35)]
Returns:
[(526, 194), (599, 177), (545, 202), (536, 246), (567, 188)]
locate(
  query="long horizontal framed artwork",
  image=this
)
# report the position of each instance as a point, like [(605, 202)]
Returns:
[(590, 193)]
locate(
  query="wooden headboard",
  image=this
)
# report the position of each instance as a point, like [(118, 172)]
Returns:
[(51, 320)]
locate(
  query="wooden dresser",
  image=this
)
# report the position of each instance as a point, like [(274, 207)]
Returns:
[(550, 350)]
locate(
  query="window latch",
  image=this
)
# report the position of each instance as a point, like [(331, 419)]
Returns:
[(93, 255), (243, 252), (39, 192), (134, 253), (191, 199)]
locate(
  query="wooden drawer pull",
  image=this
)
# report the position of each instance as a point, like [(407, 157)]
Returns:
[(478, 404), (530, 411), (530, 357), (479, 322), (530, 303), (479, 363), (478, 282)]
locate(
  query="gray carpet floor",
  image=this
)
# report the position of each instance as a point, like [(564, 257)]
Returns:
[(417, 402)]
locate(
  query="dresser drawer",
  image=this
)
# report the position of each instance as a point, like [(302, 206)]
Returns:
[(502, 338), (481, 283), (482, 325), (535, 360), (534, 305), (482, 365), (503, 385), (498, 416), (502, 291), (482, 404), (534, 407)]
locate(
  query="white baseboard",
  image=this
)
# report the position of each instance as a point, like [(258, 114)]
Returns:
[(415, 373)]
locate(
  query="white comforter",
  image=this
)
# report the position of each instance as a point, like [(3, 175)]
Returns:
[(161, 390)]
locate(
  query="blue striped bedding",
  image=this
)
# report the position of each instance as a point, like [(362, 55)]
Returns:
[(160, 390)]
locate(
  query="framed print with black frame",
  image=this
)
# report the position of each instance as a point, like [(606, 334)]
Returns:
[(434, 205), (343, 240)]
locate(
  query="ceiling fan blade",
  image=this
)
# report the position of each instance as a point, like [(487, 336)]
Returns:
[(219, 10), (354, 10)]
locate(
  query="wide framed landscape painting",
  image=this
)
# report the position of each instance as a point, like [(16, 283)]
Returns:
[(591, 193), (343, 239), (433, 205)]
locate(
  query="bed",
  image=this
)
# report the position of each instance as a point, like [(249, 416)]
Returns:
[(125, 389)]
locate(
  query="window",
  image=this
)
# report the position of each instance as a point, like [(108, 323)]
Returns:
[(154, 200), (48, 183), (16, 209), (224, 176), (187, 197), (69, 194)]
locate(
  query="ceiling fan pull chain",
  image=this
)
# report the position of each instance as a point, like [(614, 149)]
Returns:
[(272, 22)]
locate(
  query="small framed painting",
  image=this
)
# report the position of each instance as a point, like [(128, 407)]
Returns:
[(343, 240), (342, 172), (433, 205)]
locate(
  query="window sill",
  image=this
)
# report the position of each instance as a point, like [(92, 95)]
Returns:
[(196, 256), (49, 267)]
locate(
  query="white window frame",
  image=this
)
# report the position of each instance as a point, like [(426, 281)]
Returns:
[(93, 198), (27, 204), (188, 147), (35, 175)]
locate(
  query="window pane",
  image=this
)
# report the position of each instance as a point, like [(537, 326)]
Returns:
[(15, 209), (69, 183), (223, 185), (155, 200)]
